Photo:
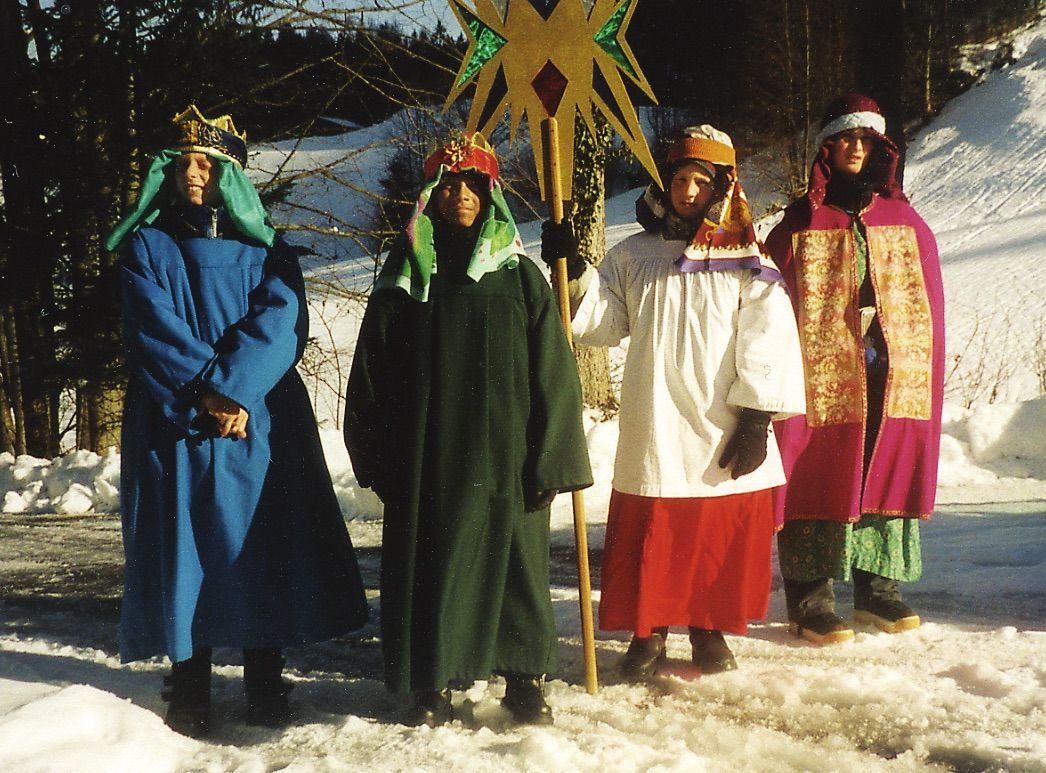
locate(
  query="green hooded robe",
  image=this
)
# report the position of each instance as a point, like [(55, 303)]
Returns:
[(458, 408)]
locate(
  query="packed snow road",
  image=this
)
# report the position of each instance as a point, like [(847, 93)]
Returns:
[(75, 563)]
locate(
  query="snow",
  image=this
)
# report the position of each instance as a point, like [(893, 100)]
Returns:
[(78, 482), (976, 175), (966, 691)]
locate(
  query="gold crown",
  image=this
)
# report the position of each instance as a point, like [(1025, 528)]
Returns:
[(210, 135)]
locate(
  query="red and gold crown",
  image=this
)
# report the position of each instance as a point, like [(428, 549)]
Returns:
[(467, 151), (214, 136)]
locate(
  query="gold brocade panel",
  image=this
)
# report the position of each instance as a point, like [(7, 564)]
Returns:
[(893, 258), (832, 350)]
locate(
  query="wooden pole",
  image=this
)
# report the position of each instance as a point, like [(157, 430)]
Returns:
[(550, 132)]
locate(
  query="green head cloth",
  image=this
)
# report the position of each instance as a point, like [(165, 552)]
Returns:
[(237, 193), (412, 260)]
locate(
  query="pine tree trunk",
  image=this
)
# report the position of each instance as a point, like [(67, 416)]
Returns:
[(7, 444), (880, 59), (808, 86), (98, 412), (12, 432), (92, 362), (928, 73), (589, 219), (796, 86), (27, 244)]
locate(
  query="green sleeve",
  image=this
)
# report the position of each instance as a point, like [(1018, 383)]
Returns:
[(557, 454), (367, 420)]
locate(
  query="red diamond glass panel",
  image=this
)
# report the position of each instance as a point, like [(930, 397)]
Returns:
[(550, 84)]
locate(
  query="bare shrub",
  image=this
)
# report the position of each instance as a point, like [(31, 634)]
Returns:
[(979, 369)]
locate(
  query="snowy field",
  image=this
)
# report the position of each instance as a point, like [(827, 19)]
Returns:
[(966, 692)]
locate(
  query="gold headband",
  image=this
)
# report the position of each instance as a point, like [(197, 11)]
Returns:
[(703, 149)]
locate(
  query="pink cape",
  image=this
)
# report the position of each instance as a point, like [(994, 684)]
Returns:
[(823, 451)]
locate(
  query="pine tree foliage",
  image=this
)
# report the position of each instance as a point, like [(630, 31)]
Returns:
[(92, 87), (763, 70)]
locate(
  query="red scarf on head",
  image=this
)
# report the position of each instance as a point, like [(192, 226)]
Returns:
[(465, 152), (881, 165)]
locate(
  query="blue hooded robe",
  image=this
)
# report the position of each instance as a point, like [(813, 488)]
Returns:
[(228, 542)]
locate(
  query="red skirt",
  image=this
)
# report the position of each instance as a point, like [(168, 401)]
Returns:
[(695, 562)]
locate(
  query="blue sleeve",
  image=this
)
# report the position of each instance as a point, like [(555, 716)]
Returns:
[(258, 350), (162, 350)]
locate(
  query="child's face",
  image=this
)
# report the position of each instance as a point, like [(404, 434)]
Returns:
[(691, 191), (851, 150), (196, 178), (460, 197)]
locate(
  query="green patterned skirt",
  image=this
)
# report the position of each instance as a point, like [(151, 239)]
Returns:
[(888, 547)]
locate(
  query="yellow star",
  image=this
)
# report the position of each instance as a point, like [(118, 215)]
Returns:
[(551, 58)]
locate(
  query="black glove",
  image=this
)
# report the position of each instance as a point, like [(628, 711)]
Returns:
[(381, 490), (746, 450), (539, 500), (558, 241)]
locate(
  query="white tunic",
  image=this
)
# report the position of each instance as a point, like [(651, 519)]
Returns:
[(703, 345)]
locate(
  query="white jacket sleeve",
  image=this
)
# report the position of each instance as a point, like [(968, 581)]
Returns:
[(767, 354), (602, 317)]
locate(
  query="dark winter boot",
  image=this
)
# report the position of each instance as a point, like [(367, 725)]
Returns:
[(877, 600), (811, 612), (189, 696), (267, 701), (430, 707), (643, 656), (525, 699), (710, 652)]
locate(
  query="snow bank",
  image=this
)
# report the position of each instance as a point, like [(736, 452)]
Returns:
[(994, 452), (1001, 447), (76, 483), (98, 732)]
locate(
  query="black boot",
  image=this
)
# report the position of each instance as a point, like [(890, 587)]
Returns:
[(430, 707), (643, 656), (710, 652), (525, 699), (811, 612), (189, 696), (267, 702), (877, 600)]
